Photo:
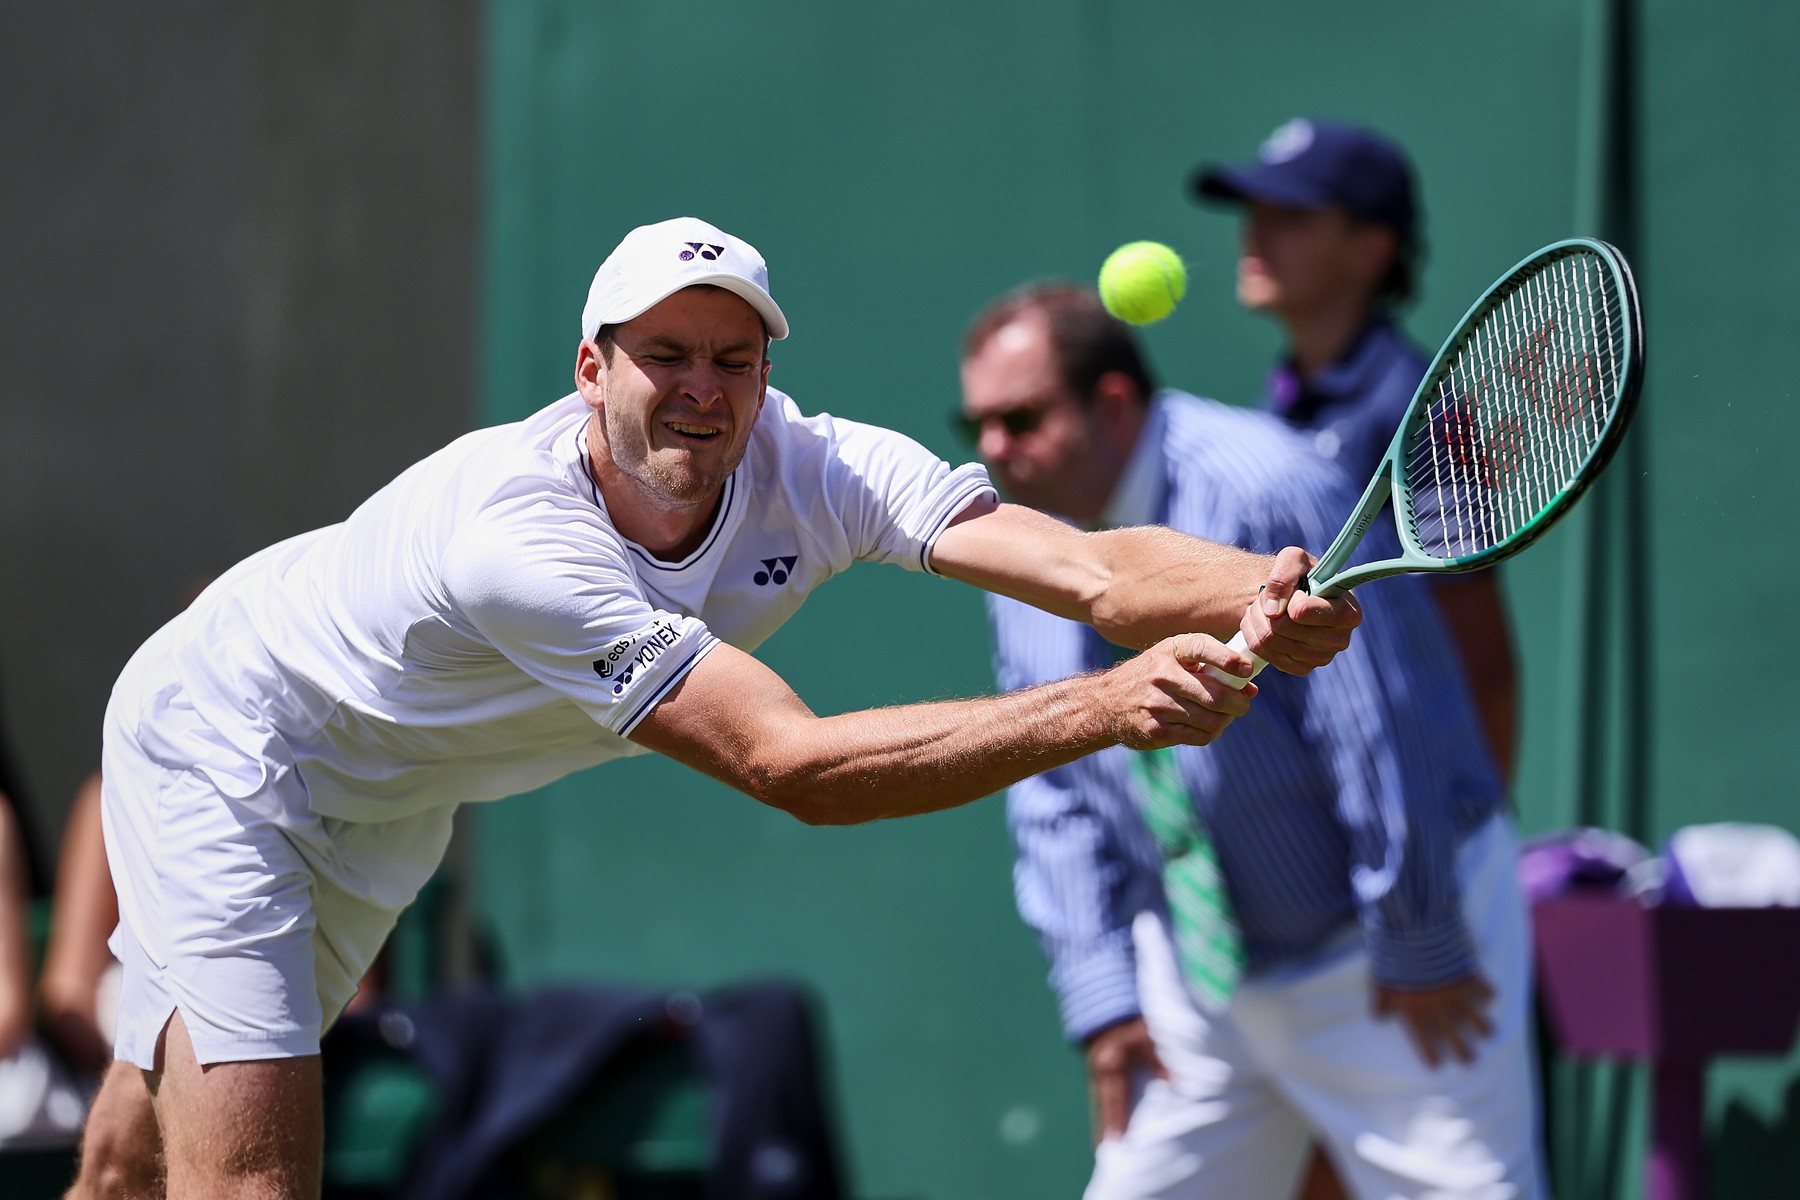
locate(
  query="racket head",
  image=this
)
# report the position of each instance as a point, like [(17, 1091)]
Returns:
[(1517, 415)]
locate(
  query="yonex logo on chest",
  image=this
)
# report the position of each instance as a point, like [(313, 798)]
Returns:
[(775, 570), (705, 250)]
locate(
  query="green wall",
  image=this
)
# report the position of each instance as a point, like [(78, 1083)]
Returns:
[(900, 165)]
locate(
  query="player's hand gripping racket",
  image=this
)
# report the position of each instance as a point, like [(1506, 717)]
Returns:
[(1517, 416)]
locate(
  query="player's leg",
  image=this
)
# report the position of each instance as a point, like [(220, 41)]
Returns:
[(217, 946), (239, 1129), (1215, 1127), (1396, 1127), (246, 921), (121, 1148)]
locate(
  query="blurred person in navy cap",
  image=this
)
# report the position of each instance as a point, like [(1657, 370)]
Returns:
[(1331, 246)]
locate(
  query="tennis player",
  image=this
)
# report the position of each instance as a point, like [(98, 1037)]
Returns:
[(283, 759)]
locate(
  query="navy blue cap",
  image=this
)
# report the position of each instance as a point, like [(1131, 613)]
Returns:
[(1321, 164)]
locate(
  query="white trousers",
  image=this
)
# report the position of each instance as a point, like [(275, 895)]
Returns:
[(1297, 1056)]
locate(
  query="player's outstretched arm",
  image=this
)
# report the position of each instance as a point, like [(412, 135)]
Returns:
[(1139, 585), (733, 718)]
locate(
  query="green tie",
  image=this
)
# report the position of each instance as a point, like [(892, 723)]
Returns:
[(1207, 942)]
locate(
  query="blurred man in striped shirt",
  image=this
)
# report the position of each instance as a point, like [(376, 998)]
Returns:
[(1357, 817)]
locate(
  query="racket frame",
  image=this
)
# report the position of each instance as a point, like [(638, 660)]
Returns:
[(1328, 578)]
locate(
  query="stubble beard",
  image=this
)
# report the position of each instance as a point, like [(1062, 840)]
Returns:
[(673, 478)]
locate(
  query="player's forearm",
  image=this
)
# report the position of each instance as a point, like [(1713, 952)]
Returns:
[(896, 762), (1155, 583), (733, 718), (1136, 586)]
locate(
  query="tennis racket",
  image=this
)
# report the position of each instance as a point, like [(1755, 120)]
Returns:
[(1519, 413)]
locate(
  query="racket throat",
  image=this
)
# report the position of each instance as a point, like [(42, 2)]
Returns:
[(1329, 578)]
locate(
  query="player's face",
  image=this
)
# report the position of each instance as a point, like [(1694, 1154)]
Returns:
[(1299, 261), (682, 393), (1037, 437)]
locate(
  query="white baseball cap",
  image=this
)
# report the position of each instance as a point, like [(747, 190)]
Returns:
[(653, 262)]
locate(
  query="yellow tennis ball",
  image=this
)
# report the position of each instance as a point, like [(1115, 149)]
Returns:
[(1141, 282)]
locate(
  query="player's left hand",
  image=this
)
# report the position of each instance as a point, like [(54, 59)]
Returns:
[(1443, 1022), (1294, 631)]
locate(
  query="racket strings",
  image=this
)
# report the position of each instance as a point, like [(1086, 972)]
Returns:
[(1518, 409)]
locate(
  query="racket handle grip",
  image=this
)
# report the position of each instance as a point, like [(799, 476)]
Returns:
[(1238, 643)]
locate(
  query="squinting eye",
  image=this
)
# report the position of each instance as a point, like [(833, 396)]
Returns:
[(735, 364)]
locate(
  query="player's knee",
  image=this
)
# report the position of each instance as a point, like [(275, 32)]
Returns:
[(121, 1147), (116, 1164), (117, 1181)]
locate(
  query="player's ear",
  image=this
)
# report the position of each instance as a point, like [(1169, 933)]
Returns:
[(588, 373)]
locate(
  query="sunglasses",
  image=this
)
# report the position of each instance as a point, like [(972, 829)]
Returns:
[(1016, 421)]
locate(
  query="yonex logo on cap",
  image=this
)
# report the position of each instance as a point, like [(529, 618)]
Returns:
[(653, 262)]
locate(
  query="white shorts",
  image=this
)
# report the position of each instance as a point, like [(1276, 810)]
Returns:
[(1298, 1057), (238, 905)]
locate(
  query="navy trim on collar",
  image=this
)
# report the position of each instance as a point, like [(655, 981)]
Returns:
[(712, 535)]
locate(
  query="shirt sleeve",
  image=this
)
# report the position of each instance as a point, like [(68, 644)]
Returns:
[(549, 587), (1395, 802), (1374, 714), (893, 496), (1085, 865)]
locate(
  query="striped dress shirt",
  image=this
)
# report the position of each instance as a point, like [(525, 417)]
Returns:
[(1338, 801)]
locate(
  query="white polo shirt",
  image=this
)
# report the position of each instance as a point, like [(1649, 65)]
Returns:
[(478, 628)]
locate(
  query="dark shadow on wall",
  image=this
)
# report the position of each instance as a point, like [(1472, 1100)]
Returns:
[(245, 301)]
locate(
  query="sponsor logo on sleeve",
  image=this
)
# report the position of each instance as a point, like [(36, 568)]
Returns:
[(627, 657)]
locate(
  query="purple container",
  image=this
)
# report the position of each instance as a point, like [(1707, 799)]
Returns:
[(1675, 987), (1623, 980)]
